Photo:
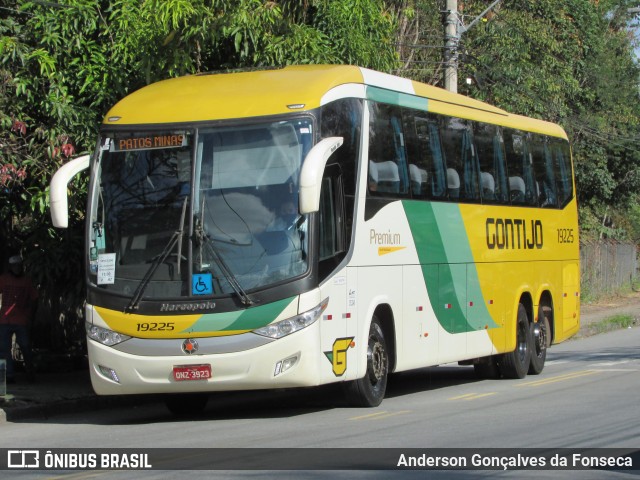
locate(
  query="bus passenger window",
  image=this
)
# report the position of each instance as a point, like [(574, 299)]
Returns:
[(522, 188), (424, 151), (543, 167), (493, 175), (387, 150), (562, 166), (462, 161)]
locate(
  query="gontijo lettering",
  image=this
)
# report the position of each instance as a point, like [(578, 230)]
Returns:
[(514, 233)]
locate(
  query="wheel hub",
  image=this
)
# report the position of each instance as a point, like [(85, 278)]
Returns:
[(376, 361), (540, 337)]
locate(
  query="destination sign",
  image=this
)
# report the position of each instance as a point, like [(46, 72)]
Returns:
[(149, 141)]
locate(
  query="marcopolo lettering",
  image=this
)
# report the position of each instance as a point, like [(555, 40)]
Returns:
[(514, 234), (187, 307)]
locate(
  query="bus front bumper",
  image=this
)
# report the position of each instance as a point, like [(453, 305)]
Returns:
[(292, 361)]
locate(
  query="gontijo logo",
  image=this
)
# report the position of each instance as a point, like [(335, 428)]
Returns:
[(338, 356)]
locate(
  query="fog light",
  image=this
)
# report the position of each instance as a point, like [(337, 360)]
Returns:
[(109, 373), (284, 365)]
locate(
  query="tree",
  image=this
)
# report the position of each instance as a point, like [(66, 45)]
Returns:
[(571, 62), (64, 63)]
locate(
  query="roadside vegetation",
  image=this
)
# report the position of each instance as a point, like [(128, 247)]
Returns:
[(64, 63), (615, 322)]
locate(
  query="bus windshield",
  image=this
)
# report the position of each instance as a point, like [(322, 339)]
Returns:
[(203, 212)]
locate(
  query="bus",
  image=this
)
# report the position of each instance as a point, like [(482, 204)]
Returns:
[(307, 225)]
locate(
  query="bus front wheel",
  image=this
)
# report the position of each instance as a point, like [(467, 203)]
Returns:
[(369, 390), (516, 363)]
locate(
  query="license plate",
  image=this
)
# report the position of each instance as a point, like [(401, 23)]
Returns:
[(191, 372)]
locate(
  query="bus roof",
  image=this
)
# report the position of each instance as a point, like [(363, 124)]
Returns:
[(210, 97)]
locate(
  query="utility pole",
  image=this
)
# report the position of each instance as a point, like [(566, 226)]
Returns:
[(453, 30), (451, 46)]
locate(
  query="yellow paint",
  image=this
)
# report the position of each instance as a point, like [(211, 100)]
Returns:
[(233, 95), (525, 271), (156, 326), (560, 378), (340, 347), (386, 250)]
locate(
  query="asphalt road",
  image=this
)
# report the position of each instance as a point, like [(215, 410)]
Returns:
[(586, 397)]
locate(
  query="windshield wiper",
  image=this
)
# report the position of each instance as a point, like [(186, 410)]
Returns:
[(204, 239), (176, 238)]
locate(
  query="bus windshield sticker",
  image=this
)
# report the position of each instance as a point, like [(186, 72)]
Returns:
[(202, 284), (148, 142)]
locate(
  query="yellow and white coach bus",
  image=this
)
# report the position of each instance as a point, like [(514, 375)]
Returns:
[(313, 224)]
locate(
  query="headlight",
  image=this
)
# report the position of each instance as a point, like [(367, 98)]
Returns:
[(104, 335), (289, 325)]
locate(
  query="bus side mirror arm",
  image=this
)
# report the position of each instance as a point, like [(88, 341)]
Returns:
[(312, 171), (58, 189)]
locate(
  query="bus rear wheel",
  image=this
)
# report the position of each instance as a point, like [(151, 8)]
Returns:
[(540, 335), (516, 363), (369, 390)]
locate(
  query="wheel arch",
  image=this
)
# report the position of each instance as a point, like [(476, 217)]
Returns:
[(546, 300), (527, 302)]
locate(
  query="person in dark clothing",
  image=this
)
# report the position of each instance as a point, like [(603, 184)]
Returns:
[(17, 297)]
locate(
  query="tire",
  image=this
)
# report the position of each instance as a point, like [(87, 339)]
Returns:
[(540, 336), (186, 404), (369, 390), (516, 363)]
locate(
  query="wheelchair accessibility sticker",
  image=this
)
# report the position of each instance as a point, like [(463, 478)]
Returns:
[(202, 284)]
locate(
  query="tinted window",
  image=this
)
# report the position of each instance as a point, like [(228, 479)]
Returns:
[(491, 155), (427, 173), (388, 173), (562, 167), (463, 169), (522, 189)]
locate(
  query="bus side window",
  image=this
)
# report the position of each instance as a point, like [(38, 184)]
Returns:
[(387, 151), (532, 190), (332, 232), (562, 167), (426, 161), (493, 177), (343, 118), (521, 181), (463, 170), (543, 167)]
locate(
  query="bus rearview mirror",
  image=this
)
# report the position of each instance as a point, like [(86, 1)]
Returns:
[(58, 190), (312, 171)]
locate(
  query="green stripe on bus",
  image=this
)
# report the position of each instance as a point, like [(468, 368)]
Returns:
[(397, 98), (249, 319), (448, 266)]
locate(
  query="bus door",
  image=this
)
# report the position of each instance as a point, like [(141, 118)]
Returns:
[(338, 322)]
